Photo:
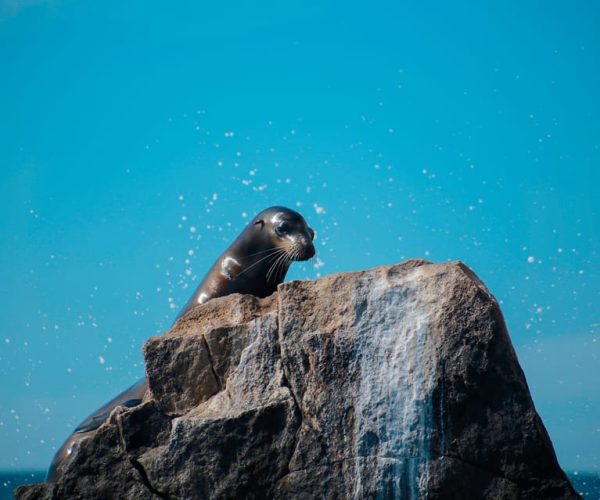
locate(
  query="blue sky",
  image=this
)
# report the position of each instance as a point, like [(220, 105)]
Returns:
[(137, 139)]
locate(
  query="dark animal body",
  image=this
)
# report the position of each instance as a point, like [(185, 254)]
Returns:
[(255, 263), (258, 260)]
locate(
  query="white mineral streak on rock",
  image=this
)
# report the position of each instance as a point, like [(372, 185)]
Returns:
[(256, 377), (393, 414)]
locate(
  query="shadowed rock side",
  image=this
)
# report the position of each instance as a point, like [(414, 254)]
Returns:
[(399, 382)]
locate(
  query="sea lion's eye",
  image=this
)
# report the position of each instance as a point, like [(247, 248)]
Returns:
[(283, 228), (312, 233), (261, 222)]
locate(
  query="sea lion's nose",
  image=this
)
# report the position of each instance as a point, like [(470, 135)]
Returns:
[(309, 251)]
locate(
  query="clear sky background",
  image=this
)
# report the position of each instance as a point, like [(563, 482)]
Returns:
[(138, 138)]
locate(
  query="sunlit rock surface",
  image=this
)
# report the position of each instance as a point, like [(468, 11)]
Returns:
[(399, 382)]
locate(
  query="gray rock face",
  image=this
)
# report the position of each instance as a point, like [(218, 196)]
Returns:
[(399, 382)]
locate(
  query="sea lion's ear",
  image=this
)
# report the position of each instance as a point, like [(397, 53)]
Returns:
[(261, 222)]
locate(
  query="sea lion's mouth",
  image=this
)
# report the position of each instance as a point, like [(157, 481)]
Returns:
[(306, 252)]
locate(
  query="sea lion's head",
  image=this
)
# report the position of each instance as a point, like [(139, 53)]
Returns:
[(285, 229)]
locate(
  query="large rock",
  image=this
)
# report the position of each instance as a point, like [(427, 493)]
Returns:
[(399, 382)]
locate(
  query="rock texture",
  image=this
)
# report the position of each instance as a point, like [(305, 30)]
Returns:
[(399, 382)]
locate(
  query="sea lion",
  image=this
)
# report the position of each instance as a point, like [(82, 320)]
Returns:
[(255, 263), (258, 260)]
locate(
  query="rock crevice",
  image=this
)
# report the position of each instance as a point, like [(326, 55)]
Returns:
[(397, 382)]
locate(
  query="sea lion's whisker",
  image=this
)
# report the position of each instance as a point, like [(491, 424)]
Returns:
[(274, 271), (290, 256), (284, 264), (271, 255), (272, 249), (271, 272), (271, 266)]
